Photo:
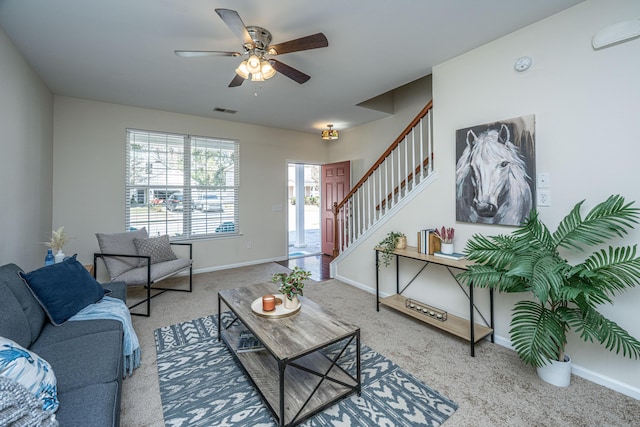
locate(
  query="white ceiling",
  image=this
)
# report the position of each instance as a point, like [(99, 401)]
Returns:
[(121, 51)]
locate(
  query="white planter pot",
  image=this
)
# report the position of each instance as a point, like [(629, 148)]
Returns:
[(291, 303), (556, 373), (446, 248)]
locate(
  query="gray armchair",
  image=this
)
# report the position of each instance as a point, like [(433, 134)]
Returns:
[(138, 260)]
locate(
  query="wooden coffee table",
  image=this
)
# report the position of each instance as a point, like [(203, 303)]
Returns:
[(294, 377)]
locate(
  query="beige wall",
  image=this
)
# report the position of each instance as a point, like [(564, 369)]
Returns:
[(587, 112), (89, 150), (362, 145), (26, 135)]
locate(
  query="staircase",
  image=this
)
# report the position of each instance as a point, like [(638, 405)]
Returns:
[(399, 171)]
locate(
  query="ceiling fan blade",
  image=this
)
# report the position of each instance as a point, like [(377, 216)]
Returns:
[(313, 41), (199, 53), (290, 72), (237, 81), (235, 24)]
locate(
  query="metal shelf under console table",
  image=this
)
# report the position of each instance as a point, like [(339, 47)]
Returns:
[(458, 326)]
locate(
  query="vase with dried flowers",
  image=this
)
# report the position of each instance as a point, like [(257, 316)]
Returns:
[(291, 285), (446, 238), (57, 241)]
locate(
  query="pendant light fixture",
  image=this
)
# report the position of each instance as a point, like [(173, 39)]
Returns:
[(330, 133)]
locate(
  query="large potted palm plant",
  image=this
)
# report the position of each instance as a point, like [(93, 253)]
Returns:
[(561, 296)]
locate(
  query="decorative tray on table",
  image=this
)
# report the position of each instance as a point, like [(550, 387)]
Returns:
[(280, 311)]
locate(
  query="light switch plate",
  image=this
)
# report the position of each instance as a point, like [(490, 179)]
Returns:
[(543, 180)]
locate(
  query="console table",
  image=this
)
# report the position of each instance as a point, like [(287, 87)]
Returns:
[(458, 326)]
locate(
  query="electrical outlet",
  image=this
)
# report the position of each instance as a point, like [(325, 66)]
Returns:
[(543, 180), (544, 198), (249, 245)]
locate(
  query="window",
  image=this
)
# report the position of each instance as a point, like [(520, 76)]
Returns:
[(181, 185)]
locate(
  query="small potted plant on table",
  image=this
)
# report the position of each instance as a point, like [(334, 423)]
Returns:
[(291, 285), (392, 241)]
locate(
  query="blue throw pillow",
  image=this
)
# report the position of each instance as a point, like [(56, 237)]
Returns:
[(63, 289), (33, 372)]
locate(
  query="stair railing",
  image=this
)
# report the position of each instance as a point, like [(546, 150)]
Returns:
[(406, 163)]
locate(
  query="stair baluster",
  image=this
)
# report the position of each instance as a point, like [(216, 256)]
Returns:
[(377, 192)]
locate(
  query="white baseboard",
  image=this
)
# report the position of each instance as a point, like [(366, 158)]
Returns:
[(605, 381), (577, 370), (359, 285), (588, 374)]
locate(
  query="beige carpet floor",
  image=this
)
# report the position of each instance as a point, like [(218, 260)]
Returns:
[(492, 389)]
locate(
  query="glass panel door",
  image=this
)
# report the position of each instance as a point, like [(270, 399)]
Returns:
[(303, 204)]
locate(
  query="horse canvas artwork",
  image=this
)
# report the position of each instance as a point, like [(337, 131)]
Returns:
[(494, 170)]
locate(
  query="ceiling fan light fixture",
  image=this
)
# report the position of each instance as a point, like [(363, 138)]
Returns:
[(242, 70), (257, 77), (253, 64), (267, 70), (329, 134), (256, 43)]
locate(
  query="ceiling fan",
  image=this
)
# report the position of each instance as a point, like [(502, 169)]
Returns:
[(256, 46)]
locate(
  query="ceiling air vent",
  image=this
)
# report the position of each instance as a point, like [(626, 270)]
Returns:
[(224, 110)]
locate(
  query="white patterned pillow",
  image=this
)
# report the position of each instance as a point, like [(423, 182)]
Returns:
[(158, 248), (30, 370), (19, 407)]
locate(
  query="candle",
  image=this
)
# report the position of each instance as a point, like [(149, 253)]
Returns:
[(268, 303)]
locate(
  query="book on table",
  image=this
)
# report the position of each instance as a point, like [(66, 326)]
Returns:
[(434, 243), (248, 342), (425, 241), (453, 256)]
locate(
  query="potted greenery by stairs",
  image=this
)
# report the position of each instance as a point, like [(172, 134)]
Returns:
[(393, 240), (561, 296)]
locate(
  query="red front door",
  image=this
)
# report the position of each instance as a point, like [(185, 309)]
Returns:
[(335, 185)]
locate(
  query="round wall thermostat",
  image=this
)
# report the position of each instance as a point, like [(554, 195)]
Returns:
[(523, 64)]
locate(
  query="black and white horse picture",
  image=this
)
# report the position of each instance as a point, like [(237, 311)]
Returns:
[(493, 175)]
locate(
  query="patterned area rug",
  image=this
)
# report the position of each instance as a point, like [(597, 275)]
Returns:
[(201, 385)]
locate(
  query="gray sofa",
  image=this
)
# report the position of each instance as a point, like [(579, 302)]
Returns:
[(86, 356)]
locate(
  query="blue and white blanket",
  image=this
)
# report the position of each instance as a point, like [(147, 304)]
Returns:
[(113, 308)]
